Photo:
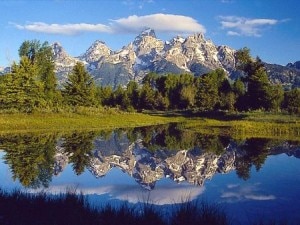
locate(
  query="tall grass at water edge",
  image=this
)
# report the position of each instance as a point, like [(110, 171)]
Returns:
[(254, 124), (19, 208)]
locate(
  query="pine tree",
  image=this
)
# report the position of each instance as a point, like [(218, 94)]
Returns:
[(21, 90), (259, 90), (276, 95), (260, 93), (105, 95), (133, 93), (79, 90), (121, 98), (207, 95), (147, 97), (291, 101)]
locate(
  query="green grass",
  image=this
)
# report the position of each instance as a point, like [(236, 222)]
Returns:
[(245, 125), (46, 122), (238, 125)]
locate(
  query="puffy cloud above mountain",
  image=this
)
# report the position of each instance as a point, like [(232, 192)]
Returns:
[(131, 24), (159, 22)]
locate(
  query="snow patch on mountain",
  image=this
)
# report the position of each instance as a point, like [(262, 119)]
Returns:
[(193, 54)]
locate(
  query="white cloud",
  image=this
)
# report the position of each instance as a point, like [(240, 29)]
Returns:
[(241, 26), (233, 33), (131, 24), (159, 22), (260, 197), (159, 195), (232, 186), (168, 194), (65, 29), (245, 192)]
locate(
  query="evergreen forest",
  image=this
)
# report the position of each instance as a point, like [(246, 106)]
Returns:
[(32, 85)]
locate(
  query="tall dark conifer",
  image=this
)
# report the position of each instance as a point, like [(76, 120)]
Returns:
[(21, 90), (79, 90)]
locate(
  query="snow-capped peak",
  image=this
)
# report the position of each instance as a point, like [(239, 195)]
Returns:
[(97, 50), (148, 32), (58, 50)]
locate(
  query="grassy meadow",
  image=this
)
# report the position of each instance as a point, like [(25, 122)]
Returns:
[(237, 125), (84, 119), (246, 125)]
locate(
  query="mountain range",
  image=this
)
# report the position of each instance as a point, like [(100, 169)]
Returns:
[(146, 167), (146, 53)]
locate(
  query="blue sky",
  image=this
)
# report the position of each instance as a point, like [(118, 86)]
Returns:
[(270, 28)]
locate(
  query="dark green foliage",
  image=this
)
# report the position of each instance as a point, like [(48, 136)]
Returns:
[(238, 88), (243, 56), (147, 97), (239, 91), (21, 90), (260, 93), (79, 90), (105, 95), (79, 147), (133, 93), (256, 151), (32, 85), (207, 95), (42, 56), (173, 137), (276, 95), (30, 158), (121, 99), (30, 50), (291, 101)]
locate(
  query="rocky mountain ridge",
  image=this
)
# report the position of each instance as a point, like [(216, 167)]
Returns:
[(193, 54), (146, 167), (146, 53)]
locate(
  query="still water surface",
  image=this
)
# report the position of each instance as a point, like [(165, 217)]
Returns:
[(251, 178)]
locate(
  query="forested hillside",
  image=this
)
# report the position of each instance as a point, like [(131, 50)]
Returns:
[(32, 86)]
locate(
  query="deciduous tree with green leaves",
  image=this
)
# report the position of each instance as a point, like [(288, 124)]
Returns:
[(41, 56)]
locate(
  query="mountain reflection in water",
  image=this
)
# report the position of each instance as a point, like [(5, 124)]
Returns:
[(147, 154)]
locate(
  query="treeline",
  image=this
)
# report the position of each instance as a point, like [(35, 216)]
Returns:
[(32, 85)]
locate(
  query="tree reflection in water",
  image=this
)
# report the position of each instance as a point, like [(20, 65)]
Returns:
[(157, 151), (78, 147), (30, 157)]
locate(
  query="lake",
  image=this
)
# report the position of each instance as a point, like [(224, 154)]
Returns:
[(251, 178)]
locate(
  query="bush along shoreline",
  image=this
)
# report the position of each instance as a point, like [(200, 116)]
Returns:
[(21, 208)]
